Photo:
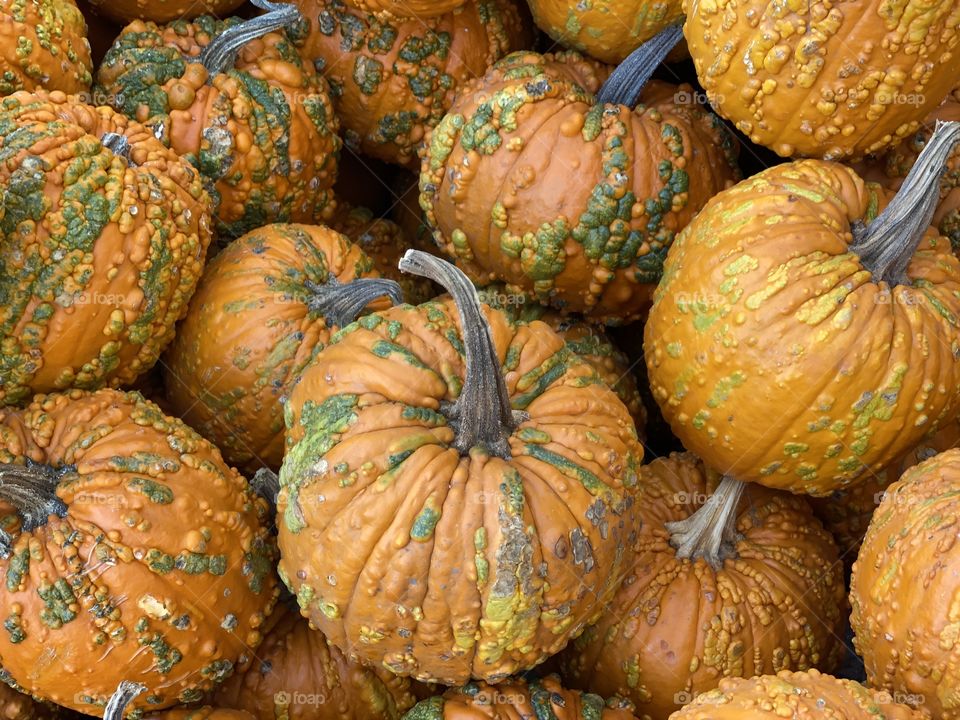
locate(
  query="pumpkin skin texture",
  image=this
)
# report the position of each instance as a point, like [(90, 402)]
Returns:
[(825, 80), (162, 11), (100, 254), (17, 706), (570, 201), (408, 8), (774, 354), (297, 660), (183, 559), (393, 78), (250, 333), (680, 626), (262, 133), (44, 46)]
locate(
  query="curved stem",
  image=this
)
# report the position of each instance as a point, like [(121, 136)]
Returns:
[(481, 416), (117, 144), (711, 532), (887, 244), (125, 694), (222, 52), (626, 83), (341, 303), (31, 489), (266, 484)]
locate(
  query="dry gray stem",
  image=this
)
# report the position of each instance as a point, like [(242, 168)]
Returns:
[(711, 532)]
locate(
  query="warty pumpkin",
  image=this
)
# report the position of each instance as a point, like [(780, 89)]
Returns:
[(823, 79), (43, 44), (138, 545), (162, 11), (531, 180), (394, 78), (457, 489), (235, 98), (761, 592), (103, 233), (127, 691), (265, 307), (799, 339)]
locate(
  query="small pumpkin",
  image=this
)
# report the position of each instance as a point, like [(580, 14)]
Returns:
[(801, 340), (763, 594), (102, 240), (235, 98), (127, 691), (408, 8), (45, 46), (265, 307), (830, 81), (162, 11), (457, 489), (394, 78), (137, 543)]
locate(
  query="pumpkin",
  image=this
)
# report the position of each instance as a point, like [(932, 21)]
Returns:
[(300, 676), (408, 8), (531, 181), (806, 695), (44, 46), (265, 307), (544, 698), (457, 489), (138, 543), (825, 80), (162, 11), (127, 691), (102, 239), (802, 341), (235, 98), (770, 600), (394, 78), (17, 706)]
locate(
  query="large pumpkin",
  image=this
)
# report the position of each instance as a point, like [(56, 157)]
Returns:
[(254, 118), (801, 341), (827, 80), (162, 11), (457, 490), (43, 44), (394, 78), (138, 544), (265, 307), (773, 600), (102, 240), (530, 180)]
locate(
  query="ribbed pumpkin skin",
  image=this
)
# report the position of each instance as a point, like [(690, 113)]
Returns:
[(263, 134), (516, 699), (904, 585), (162, 11), (608, 30), (249, 334), (677, 627), (563, 198), (100, 256), (408, 8), (807, 695), (511, 559), (162, 563), (394, 78), (825, 79), (774, 355), (43, 44), (298, 675)]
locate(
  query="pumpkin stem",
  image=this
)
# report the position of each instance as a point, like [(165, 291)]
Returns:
[(266, 484), (31, 489), (711, 532), (887, 244), (341, 303), (125, 694), (481, 416), (626, 82), (222, 52), (117, 144)]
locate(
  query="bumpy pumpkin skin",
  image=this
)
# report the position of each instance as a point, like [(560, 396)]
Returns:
[(462, 566), (677, 627), (100, 255), (393, 78), (763, 278), (408, 8), (300, 676), (808, 695), (608, 30), (823, 79), (43, 44), (573, 202), (263, 134), (162, 562), (162, 11), (518, 699)]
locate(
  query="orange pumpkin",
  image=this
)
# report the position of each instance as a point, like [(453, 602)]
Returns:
[(127, 691), (408, 8), (162, 11), (15, 705)]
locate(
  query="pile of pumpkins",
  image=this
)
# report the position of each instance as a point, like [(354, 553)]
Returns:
[(449, 359)]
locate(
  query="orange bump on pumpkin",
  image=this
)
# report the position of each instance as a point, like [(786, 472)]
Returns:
[(162, 10)]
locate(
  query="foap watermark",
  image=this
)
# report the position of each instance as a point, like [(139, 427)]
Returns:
[(690, 498), (290, 699), (896, 98), (691, 96), (903, 296), (697, 299), (492, 696), (499, 298), (683, 698), (88, 297), (885, 697), (87, 497)]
